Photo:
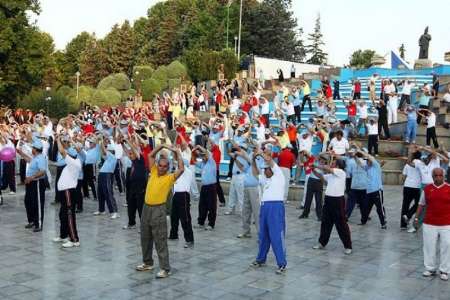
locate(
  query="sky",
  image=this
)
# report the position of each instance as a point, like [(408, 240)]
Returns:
[(347, 25)]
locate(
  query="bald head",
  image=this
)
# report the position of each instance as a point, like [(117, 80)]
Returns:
[(438, 176)]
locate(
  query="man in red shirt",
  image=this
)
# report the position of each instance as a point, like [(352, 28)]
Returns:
[(217, 156), (356, 90), (351, 111), (286, 160), (436, 224)]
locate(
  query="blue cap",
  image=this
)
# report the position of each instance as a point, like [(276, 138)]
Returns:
[(37, 144), (71, 152), (110, 147)]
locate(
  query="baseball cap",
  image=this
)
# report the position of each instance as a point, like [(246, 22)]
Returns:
[(37, 144)]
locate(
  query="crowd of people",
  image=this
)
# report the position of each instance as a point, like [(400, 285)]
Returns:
[(152, 154)]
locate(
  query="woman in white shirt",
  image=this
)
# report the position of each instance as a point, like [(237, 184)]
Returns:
[(333, 213), (411, 192)]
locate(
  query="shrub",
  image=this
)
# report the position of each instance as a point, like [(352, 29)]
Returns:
[(56, 107), (129, 93), (176, 70), (118, 81), (106, 97), (150, 87)]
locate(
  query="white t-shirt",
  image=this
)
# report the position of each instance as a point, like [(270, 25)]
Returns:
[(413, 179), (431, 120), (447, 97), (362, 111), (265, 108), (288, 108), (183, 183), (339, 147), (335, 183), (425, 170), (372, 129), (70, 174), (273, 187), (406, 90), (305, 144)]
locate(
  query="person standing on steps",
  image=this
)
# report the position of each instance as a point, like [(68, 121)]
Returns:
[(154, 220), (333, 212)]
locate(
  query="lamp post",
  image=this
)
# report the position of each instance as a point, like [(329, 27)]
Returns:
[(235, 44), (240, 29), (47, 99), (78, 82), (228, 19)]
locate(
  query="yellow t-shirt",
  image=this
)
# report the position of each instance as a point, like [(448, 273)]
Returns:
[(158, 187)]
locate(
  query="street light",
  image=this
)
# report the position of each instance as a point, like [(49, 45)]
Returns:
[(78, 82), (48, 98), (235, 44), (240, 28), (228, 19)]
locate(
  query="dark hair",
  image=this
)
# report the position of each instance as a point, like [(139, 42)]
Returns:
[(416, 155), (340, 163)]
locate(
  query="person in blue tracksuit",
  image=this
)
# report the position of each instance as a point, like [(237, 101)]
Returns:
[(272, 221)]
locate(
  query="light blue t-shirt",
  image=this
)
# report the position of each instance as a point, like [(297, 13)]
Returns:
[(236, 169), (374, 182), (82, 157), (209, 170), (424, 100), (109, 165), (92, 155), (350, 164), (359, 177), (60, 161), (38, 163)]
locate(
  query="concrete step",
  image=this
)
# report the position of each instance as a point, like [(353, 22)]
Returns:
[(385, 147)]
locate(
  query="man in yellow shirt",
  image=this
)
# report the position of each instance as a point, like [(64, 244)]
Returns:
[(154, 221)]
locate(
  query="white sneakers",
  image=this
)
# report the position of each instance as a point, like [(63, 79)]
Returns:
[(318, 247), (411, 229), (98, 213), (60, 240), (114, 216), (12, 193), (70, 244)]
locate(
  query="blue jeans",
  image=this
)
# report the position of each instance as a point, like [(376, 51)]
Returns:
[(105, 193), (411, 128), (272, 231)]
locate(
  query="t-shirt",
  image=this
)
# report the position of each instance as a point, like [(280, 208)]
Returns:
[(158, 187), (70, 174), (412, 179), (425, 170), (273, 187), (372, 129), (305, 144), (335, 183), (362, 111), (339, 147), (431, 120)]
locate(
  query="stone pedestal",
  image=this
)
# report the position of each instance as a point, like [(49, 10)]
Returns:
[(422, 63), (447, 56)]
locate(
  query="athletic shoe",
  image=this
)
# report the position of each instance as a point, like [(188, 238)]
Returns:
[(37, 229), (70, 244), (281, 270), (114, 216), (125, 205), (244, 235), (303, 217), (405, 219), (189, 245), (198, 226), (347, 251), (428, 273), (227, 213), (162, 274), (144, 267), (29, 225), (222, 205), (126, 227), (209, 228), (60, 240), (403, 228), (319, 246), (98, 213), (1, 200), (257, 264), (412, 230), (444, 276), (384, 226), (12, 193)]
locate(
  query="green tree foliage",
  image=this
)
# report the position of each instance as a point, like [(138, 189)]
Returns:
[(107, 97), (361, 59), (57, 106), (120, 47), (316, 55), (204, 64), (150, 87), (141, 73), (117, 81), (93, 65), (176, 70)]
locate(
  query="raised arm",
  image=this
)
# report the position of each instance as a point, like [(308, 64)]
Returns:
[(152, 155)]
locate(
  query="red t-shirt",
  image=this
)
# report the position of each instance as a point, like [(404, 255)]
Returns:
[(88, 128), (307, 165), (216, 154), (351, 109), (286, 159), (292, 133), (357, 87), (145, 151), (328, 93), (438, 205), (246, 107)]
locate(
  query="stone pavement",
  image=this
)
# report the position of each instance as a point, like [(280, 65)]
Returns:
[(384, 264)]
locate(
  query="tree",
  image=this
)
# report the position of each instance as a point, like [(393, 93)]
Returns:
[(316, 55), (117, 81), (402, 51), (362, 59), (93, 66), (36, 100), (120, 47)]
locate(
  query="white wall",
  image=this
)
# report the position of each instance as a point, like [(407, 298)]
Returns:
[(270, 66)]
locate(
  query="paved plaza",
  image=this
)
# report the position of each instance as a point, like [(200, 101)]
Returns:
[(384, 264)]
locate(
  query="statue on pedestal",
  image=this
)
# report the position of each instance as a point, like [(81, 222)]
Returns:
[(424, 43)]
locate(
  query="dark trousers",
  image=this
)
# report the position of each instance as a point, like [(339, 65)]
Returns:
[(266, 120), (22, 169), (372, 145), (298, 115), (35, 201), (181, 213), (354, 197), (374, 198), (403, 99), (135, 199), (105, 193), (419, 117), (219, 188), (118, 176), (409, 195), (431, 135), (383, 125), (9, 175), (334, 214), (207, 206), (58, 195), (314, 188), (78, 197), (306, 98), (448, 175), (89, 180), (67, 216), (336, 95), (230, 167), (356, 95), (169, 120)]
